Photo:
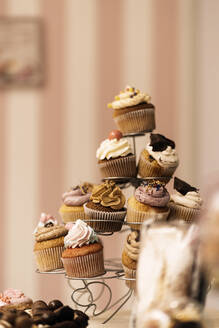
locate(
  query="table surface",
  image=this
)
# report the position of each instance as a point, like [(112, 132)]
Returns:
[(121, 320)]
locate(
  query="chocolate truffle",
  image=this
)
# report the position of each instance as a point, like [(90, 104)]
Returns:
[(23, 322), (55, 304), (64, 313)]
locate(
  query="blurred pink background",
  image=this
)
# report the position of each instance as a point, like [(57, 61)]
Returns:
[(49, 135)]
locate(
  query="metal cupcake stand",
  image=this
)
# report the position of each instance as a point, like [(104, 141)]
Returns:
[(113, 266)]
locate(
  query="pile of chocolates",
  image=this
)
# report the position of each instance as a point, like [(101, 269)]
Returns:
[(54, 314)]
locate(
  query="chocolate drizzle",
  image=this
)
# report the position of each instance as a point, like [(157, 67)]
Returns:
[(160, 143), (182, 187)]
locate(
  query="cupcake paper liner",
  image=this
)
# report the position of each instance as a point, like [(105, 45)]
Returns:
[(104, 221), (179, 212), (49, 259), (139, 217), (136, 121), (120, 167), (85, 266), (71, 216), (129, 273), (146, 169)]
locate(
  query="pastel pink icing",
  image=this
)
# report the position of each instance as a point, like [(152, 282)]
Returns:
[(75, 197), (80, 234), (13, 296), (152, 195)]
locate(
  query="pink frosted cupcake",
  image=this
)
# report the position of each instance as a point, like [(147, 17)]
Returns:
[(14, 299), (149, 202), (83, 254), (73, 200)]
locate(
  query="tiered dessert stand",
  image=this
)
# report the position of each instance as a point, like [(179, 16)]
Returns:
[(113, 266)]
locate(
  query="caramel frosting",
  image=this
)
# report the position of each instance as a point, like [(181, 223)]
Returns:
[(80, 234), (113, 148), (153, 194), (129, 97), (48, 233), (109, 195), (132, 245), (46, 220)]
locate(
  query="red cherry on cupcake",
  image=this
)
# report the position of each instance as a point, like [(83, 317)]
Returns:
[(115, 134)]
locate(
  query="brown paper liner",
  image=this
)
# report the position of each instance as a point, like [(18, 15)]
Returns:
[(71, 216), (49, 259), (104, 221), (136, 121), (179, 212), (146, 169), (85, 266), (129, 273), (120, 167), (139, 217)]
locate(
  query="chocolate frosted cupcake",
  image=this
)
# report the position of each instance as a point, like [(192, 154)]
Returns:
[(133, 111), (186, 203), (105, 211), (130, 257), (159, 158), (149, 202), (83, 254), (49, 236), (115, 157), (73, 201)]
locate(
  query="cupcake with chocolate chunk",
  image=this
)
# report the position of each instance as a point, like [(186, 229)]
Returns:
[(83, 254), (149, 202), (115, 156), (130, 257), (105, 211), (159, 158), (73, 201), (49, 245), (133, 111), (186, 203)]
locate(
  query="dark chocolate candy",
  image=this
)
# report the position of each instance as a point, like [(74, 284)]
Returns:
[(9, 317), (23, 313), (160, 143), (64, 313), (190, 324), (182, 187), (48, 318), (66, 324), (81, 319), (23, 322), (55, 304), (40, 304)]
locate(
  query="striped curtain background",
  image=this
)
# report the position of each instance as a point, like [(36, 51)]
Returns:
[(48, 136)]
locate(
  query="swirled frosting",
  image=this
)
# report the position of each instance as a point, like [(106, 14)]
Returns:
[(192, 199), (113, 148), (153, 194), (80, 234), (46, 220), (47, 233), (75, 197), (108, 195), (165, 158), (132, 245), (13, 296), (129, 97)]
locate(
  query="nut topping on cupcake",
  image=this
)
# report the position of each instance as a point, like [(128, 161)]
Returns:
[(129, 97), (108, 195)]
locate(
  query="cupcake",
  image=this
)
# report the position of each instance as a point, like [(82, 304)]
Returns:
[(133, 111), (105, 211), (14, 299), (149, 202), (115, 157), (73, 201), (159, 158), (186, 203), (49, 245), (130, 257), (83, 254)]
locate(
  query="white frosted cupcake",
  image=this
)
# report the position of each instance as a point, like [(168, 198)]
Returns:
[(186, 203), (115, 156), (159, 158), (133, 111)]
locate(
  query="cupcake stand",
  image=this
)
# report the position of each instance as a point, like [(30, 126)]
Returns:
[(113, 266)]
